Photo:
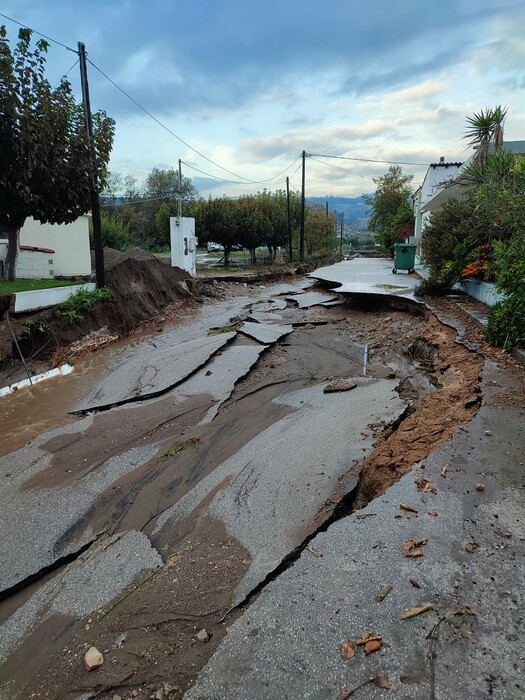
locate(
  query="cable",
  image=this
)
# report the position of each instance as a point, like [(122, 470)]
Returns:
[(215, 177), (348, 170), (367, 160), (66, 73), (39, 33), (247, 179)]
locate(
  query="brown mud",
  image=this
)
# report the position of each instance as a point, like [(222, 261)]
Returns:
[(148, 633)]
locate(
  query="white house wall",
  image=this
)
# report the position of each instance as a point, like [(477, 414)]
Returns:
[(70, 242)]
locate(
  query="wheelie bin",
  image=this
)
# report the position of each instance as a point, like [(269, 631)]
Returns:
[(404, 257)]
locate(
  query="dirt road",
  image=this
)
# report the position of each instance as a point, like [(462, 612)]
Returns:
[(132, 528)]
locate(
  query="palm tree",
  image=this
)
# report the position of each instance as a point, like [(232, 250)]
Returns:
[(484, 128)]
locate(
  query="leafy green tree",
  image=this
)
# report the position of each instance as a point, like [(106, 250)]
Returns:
[(45, 165), (392, 192)]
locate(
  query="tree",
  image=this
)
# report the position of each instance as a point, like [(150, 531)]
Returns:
[(484, 128), (45, 165), (393, 190)]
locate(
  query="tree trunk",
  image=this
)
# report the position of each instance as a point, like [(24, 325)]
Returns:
[(253, 256), (227, 252), (13, 239)]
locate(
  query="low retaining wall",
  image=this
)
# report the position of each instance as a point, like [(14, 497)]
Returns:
[(42, 298), (482, 291)]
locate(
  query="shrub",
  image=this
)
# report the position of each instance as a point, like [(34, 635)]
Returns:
[(506, 324), (83, 300)]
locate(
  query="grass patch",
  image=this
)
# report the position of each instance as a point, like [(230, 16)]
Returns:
[(224, 329), (7, 288), (179, 447)]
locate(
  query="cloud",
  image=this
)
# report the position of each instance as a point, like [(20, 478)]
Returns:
[(334, 139)]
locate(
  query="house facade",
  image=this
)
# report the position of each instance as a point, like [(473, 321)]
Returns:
[(436, 188), (52, 250)]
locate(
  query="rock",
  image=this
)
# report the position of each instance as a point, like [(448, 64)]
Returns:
[(472, 401), (93, 659), (116, 697), (202, 636), (339, 385), (480, 487)]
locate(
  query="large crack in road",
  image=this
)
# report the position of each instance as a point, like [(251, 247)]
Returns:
[(182, 502)]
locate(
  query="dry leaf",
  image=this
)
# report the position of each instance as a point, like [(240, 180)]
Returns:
[(368, 637), (174, 558), (424, 485), (347, 650), (444, 471), (414, 611), (382, 593), (315, 552), (372, 646), (433, 513), (468, 610), (382, 681), (480, 487), (404, 506), (470, 546), (411, 548), (414, 583)]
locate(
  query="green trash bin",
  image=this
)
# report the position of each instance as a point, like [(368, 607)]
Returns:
[(404, 257)]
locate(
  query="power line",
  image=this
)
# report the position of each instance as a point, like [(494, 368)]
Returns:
[(54, 41), (348, 170), (75, 64), (172, 133), (253, 182), (368, 160)]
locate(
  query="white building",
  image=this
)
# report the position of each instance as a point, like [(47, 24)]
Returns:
[(436, 189), (52, 250)]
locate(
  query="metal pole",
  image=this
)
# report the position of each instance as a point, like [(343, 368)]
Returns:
[(301, 234), (341, 243), (289, 218), (95, 203)]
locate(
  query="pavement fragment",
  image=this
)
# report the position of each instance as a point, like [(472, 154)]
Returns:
[(265, 333), (151, 372)]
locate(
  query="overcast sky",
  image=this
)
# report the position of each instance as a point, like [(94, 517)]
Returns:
[(251, 83)]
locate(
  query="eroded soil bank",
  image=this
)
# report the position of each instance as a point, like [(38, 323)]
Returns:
[(148, 633)]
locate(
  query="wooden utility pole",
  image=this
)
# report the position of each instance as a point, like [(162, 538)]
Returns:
[(95, 203), (180, 188), (301, 235), (289, 218), (341, 243)]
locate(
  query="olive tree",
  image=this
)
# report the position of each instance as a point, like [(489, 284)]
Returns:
[(45, 165)]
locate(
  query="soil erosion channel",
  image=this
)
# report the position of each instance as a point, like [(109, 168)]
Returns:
[(135, 526)]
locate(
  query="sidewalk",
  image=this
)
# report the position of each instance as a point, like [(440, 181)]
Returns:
[(463, 511)]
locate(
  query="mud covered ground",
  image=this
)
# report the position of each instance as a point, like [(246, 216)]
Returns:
[(148, 632)]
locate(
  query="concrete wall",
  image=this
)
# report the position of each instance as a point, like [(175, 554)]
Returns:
[(482, 291), (31, 264), (69, 241), (42, 298)]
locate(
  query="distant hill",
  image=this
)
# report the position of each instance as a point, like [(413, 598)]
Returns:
[(353, 208)]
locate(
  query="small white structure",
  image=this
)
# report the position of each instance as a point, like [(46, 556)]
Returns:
[(432, 193), (183, 243), (65, 245)]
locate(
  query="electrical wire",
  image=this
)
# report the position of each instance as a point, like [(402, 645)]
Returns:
[(75, 64), (39, 33), (172, 133), (368, 160), (348, 170)]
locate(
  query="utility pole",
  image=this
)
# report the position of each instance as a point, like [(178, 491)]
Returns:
[(301, 235), (341, 243), (289, 218), (180, 188), (95, 203)]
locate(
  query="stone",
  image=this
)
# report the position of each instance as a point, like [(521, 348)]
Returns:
[(339, 385), (93, 659), (202, 636)]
